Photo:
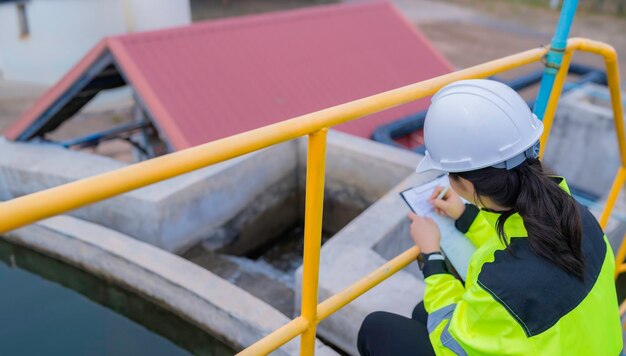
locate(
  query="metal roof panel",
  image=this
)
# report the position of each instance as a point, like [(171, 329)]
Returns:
[(214, 79)]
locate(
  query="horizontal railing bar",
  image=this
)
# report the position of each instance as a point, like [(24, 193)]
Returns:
[(280, 337), (341, 299), (24, 210), (30, 208)]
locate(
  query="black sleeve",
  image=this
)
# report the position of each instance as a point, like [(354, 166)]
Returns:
[(434, 267), (466, 219)]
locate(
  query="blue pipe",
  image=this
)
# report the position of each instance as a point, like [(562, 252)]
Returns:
[(555, 55), (402, 127), (96, 138)]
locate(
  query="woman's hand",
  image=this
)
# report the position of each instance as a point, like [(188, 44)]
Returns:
[(425, 233), (450, 205)]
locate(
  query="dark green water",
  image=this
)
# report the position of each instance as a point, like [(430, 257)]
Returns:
[(50, 308)]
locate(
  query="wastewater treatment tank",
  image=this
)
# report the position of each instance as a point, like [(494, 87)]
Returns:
[(49, 307)]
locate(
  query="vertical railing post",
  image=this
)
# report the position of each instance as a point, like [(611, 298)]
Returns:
[(612, 76), (314, 204), (553, 102), (616, 187)]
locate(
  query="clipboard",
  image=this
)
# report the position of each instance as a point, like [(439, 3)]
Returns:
[(454, 245)]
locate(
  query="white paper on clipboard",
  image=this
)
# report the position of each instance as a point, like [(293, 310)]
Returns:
[(455, 246)]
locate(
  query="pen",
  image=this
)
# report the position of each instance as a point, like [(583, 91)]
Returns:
[(443, 193)]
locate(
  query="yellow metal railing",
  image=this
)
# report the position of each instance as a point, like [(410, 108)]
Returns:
[(612, 73), (34, 207)]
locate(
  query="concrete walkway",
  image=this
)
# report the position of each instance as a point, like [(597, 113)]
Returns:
[(10, 89), (428, 11)]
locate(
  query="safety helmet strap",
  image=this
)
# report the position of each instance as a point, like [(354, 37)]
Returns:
[(531, 152)]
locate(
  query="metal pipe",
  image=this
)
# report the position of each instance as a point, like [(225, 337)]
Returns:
[(555, 55), (610, 59), (616, 188), (622, 308), (550, 111), (314, 208), (612, 74), (282, 335), (334, 303), (33, 207), (387, 133), (95, 138), (366, 283), (53, 201), (620, 269), (618, 183)]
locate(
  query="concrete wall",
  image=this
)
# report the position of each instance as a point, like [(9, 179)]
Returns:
[(147, 15), (62, 31), (378, 234), (583, 144), (214, 204), (210, 202), (174, 214), (583, 148), (370, 169), (176, 284), (358, 172)]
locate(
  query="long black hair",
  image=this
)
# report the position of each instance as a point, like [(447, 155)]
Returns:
[(550, 215)]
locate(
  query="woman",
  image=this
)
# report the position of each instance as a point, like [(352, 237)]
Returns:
[(541, 279)]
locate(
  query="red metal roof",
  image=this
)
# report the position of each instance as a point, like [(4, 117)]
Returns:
[(214, 79)]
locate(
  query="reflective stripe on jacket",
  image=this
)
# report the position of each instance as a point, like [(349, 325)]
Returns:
[(517, 303)]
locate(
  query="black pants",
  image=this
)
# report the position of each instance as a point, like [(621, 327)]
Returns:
[(390, 334)]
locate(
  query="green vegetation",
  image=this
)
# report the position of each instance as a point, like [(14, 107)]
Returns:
[(214, 9)]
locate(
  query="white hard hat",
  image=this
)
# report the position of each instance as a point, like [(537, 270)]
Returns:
[(473, 124)]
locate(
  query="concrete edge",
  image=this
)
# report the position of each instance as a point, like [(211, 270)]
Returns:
[(193, 293), (373, 149), (356, 243)]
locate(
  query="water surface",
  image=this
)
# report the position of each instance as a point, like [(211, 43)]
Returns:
[(50, 308)]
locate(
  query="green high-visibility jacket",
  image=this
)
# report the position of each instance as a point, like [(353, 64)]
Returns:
[(516, 302)]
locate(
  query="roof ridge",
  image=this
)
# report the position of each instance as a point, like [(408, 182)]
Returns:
[(199, 83), (247, 21)]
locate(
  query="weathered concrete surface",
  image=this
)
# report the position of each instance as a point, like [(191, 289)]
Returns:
[(347, 194), (258, 277), (583, 148), (358, 171), (357, 250), (173, 214), (369, 167), (216, 203), (615, 229), (186, 289), (583, 145), (266, 216)]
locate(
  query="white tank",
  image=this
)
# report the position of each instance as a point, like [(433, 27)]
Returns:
[(152, 14), (60, 32), (56, 34)]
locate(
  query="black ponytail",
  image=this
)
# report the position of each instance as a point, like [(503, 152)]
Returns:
[(550, 215)]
